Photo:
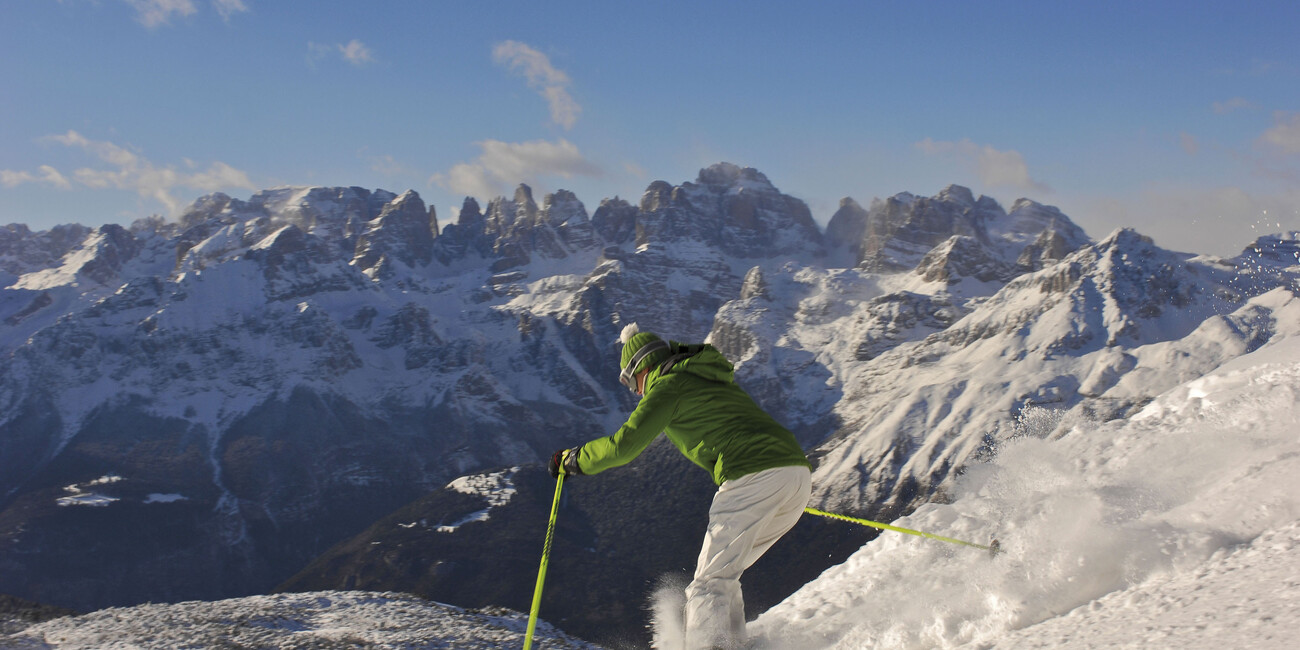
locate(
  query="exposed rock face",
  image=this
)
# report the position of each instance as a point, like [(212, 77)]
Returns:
[(733, 209), (963, 256), (848, 227), (403, 231), (897, 233)]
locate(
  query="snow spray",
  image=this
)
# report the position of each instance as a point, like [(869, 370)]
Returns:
[(668, 612)]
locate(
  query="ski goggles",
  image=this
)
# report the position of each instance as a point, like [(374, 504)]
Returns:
[(628, 376)]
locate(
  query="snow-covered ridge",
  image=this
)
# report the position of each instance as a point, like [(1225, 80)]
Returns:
[(1177, 527), (496, 489)]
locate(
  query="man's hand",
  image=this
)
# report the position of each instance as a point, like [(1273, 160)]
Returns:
[(565, 461)]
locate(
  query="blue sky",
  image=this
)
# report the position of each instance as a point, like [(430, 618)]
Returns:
[(1181, 119)]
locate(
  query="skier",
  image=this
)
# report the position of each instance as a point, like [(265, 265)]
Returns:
[(764, 480)]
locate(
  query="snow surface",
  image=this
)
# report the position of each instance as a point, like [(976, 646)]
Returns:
[(1179, 527), (78, 496), (376, 621), (497, 488)]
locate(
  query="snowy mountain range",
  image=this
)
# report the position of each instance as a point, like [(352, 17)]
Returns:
[(200, 409)]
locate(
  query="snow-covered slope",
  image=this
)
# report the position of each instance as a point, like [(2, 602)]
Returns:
[(326, 619), (914, 378), (1176, 527)]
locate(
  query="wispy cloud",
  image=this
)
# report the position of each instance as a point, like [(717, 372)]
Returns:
[(390, 166), (228, 8), (504, 164), (45, 174), (354, 52), (549, 82), (124, 169), (1284, 136), (1234, 104), (994, 167), (1189, 143), (154, 13)]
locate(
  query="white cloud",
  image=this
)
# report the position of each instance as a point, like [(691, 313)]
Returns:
[(153, 13), (994, 167), (505, 164), (549, 82), (1284, 136), (354, 52), (228, 8), (127, 170)]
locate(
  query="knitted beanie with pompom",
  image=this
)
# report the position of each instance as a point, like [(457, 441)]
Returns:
[(633, 340)]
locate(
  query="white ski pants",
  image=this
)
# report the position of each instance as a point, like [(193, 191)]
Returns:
[(748, 515)]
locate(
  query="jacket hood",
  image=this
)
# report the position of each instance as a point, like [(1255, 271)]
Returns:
[(707, 363)]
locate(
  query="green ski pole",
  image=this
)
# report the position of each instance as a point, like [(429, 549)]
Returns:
[(541, 572), (993, 548)]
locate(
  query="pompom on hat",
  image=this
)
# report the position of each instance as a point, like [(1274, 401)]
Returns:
[(640, 350)]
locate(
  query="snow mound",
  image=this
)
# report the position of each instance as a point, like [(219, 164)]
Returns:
[(1179, 527), (309, 620)]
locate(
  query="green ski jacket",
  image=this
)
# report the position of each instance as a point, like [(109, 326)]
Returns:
[(712, 421)]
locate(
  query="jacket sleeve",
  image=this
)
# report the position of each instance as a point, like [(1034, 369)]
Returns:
[(655, 412)]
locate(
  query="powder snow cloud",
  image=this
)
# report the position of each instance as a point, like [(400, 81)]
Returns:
[(549, 82), (995, 168), (503, 164), (124, 169)]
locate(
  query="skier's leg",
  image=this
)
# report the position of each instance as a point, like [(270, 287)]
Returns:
[(797, 489), (748, 515)]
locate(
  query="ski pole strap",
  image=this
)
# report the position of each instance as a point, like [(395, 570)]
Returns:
[(541, 572), (993, 549)]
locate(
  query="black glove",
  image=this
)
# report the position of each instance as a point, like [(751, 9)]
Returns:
[(565, 461)]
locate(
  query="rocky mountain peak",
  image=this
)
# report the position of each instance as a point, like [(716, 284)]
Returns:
[(847, 226), (728, 175), (902, 229), (615, 221), (525, 206), (958, 194), (114, 248), (22, 251), (471, 215), (657, 196), (563, 207), (404, 231)]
